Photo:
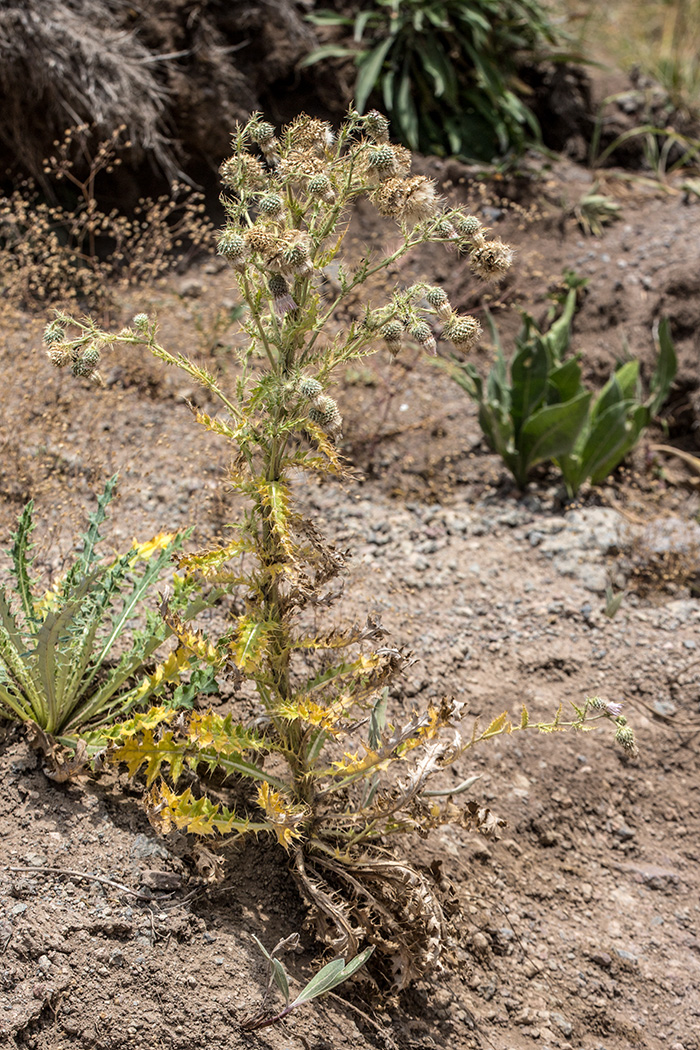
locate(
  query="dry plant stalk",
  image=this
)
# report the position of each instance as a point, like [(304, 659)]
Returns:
[(330, 775)]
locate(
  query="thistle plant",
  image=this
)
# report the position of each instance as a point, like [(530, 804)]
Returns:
[(323, 767), (67, 663)]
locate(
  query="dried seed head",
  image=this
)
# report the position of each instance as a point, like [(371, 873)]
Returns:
[(407, 200), (282, 301), (310, 388), (464, 331), (270, 205), (59, 356), (423, 335), (232, 245), (377, 126), (54, 333), (468, 225), (307, 133), (491, 260), (140, 322), (324, 412), (243, 172), (262, 239)]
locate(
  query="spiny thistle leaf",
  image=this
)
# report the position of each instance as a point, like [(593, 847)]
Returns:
[(284, 816), (274, 497), (153, 754), (198, 816), (249, 644), (499, 724), (21, 561)]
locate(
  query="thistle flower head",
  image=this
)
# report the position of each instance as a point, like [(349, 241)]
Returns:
[(423, 335), (262, 132), (408, 201), (282, 301), (293, 255), (625, 738), (383, 162), (59, 356), (491, 260), (243, 172), (233, 246), (463, 331), (262, 239), (436, 297), (444, 230), (377, 126), (391, 333), (270, 205), (87, 362), (310, 388), (598, 703), (468, 225), (320, 186), (140, 322), (308, 133), (54, 333), (324, 411)]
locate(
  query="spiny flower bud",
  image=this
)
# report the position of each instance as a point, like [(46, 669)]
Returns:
[(263, 132), (293, 255), (279, 289), (386, 162), (377, 126), (324, 412), (423, 335), (407, 200), (54, 333), (491, 260), (310, 388), (232, 245), (444, 230), (140, 321), (270, 204), (468, 225), (391, 334), (437, 298), (464, 332), (320, 186), (88, 361), (625, 738)]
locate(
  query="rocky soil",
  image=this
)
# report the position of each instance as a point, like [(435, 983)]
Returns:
[(578, 928)]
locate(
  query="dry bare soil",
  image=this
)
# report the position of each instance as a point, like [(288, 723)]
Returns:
[(579, 927)]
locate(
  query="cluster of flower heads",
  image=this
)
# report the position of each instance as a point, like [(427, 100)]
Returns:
[(624, 734), (83, 355), (323, 410), (462, 330), (267, 231)]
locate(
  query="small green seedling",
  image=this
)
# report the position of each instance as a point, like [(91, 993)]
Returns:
[(328, 978)]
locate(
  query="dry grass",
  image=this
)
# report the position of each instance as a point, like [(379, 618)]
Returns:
[(56, 254)]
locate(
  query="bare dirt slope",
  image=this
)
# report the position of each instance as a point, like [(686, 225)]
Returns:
[(579, 928)]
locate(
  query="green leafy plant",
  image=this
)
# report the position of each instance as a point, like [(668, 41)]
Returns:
[(64, 661), (324, 767), (327, 978), (447, 71), (535, 409)]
